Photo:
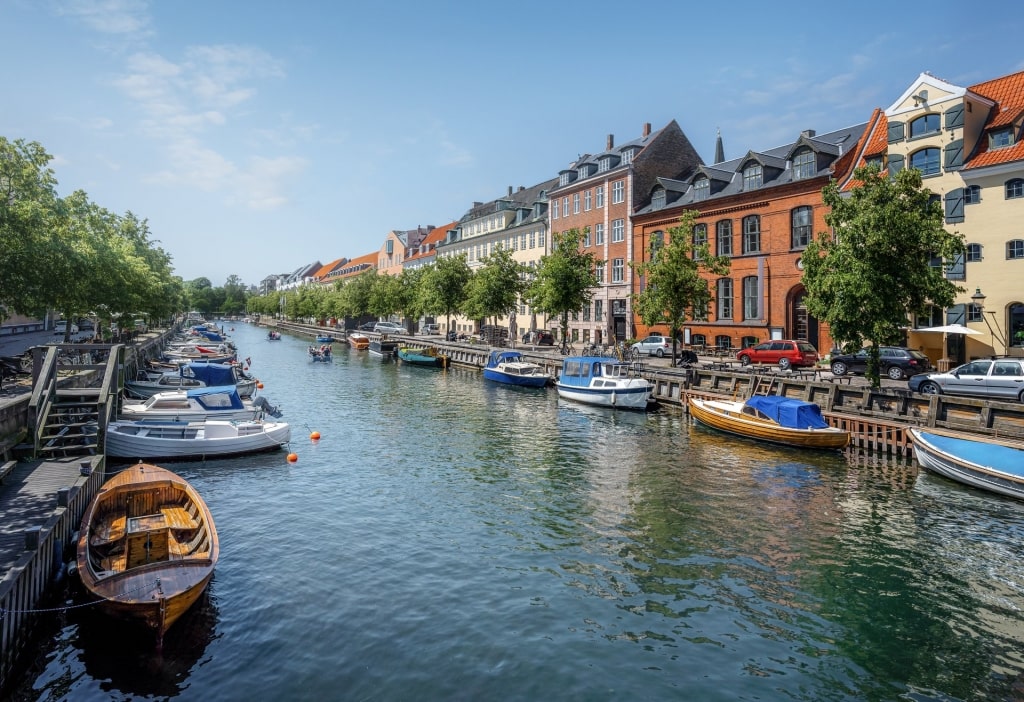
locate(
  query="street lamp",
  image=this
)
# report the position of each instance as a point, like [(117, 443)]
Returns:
[(978, 298)]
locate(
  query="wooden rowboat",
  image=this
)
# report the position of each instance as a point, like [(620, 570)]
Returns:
[(147, 546), (360, 342), (979, 461), (775, 419)]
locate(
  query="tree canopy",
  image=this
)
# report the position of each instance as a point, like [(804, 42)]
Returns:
[(876, 266), (565, 280)]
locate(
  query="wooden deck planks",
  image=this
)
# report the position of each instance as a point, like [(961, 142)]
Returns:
[(28, 498)]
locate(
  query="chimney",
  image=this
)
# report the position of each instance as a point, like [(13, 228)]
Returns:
[(510, 191), (647, 130), (808, 133), (522, 188), (611, 142)]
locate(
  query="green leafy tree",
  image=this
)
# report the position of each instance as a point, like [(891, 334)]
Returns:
[(385, 296), (873, 269), (355, 294), (444, 286), (565, 280), (674, 287), (495, 287)]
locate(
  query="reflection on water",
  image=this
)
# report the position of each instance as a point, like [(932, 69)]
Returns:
[(450, 538)]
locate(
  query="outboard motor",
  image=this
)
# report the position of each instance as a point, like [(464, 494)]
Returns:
[(262, 404)]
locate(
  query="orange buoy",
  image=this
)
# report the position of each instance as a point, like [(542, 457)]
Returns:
[(293, 457), (259, 386), (315, 436)]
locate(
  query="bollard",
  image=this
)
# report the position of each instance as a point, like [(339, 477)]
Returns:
[(63, 497), (33, 536)]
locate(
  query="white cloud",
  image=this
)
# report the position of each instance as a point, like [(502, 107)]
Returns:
[(121, 17)]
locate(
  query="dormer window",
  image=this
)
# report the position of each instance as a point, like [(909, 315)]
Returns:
[(924, 125), (658, 199), (803, 165), (583, 171), (604, 164), (701, 189), (753, 176), (563, 179), (1000, 138), (627, 156)]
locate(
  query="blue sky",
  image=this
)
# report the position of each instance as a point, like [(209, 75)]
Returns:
[(259, 136)]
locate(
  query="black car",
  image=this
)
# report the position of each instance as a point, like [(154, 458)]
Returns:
[(896, 362), (367, 326), (539, 337)]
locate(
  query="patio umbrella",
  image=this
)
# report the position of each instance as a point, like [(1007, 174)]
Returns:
[(946, 330)]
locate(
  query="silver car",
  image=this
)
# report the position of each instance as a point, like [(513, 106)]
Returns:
[(992, 378)]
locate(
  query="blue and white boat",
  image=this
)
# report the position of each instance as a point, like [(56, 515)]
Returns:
[(511, 368), (601, 381), (218, 402), (978, 461)]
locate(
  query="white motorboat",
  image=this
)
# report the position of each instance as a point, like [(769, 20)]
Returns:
[(149, 439), (601, 381), (217, 402)]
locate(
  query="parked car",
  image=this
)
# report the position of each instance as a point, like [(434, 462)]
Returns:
[(785, 352), (541, 337), (430, 329), (86, 324), (654, 345), (896, 362), (61, 327), (992, 378), (367, 326), (389, 328)]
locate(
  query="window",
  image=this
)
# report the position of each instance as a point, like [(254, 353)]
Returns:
[(618, 192), (604, 164), (750, 298), (554, 209), (973, 252), (563, 179), (599, 233), (618, 270), (575, 203), (700, 238), (751, 234), (586, 236), (541, 236), (598, 310), (586, 313), (972, 194), (599, 271), (803, 165), (974, 313), (724, 298), (1000, 138), (926, 161), (658, 199), (801, 227), (1014, 188), (701, 189), (533, 239), (752, 176), (565, 205), (587, 200), (618, 230), (1015, 248), (599, 196), (724, 237), (923, 125), (657, 243)]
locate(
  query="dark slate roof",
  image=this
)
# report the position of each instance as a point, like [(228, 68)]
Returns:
[(831, 144)]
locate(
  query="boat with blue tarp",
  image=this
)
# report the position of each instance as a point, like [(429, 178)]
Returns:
[(772, 418)]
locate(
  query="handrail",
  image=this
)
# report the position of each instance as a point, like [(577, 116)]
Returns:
[(43, 394)]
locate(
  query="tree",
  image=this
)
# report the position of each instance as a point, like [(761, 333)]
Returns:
[(874, 269), (673, 285), (444, 286), (495, 287), (564, 281)]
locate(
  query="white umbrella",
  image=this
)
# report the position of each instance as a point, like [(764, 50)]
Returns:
[(951, 329)]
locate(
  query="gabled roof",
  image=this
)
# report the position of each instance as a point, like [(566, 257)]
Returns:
[(430, 242), (872, 143), (324, 270), (357, 266)]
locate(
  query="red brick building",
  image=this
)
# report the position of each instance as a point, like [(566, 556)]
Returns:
[(761, 210)]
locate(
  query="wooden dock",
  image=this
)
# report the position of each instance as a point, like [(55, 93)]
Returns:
[(41, 503)]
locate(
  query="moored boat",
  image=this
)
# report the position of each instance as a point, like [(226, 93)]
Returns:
[(771, 418), (511, 368), (601, 381), (428, 356), (147, 546), (325, 339), (218, 402), (383, 349), (151, 439), (359, 342), (978, 461)]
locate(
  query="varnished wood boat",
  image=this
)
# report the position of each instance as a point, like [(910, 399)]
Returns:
[(360, 342), (147, 546), (775, 419)]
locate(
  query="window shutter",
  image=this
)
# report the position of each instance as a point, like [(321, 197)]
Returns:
[(955, 269), (956, 314), (896, 131), (895, 164), (955, 116), (955, 206), (954, 155)]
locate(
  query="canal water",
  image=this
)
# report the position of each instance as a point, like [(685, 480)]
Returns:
[(452, 539)]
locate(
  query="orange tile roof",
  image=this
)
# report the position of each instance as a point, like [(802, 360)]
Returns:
[(324, 270), (436, 235), (873, 142), (1008, 94)]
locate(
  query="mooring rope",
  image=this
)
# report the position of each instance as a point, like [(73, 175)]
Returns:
[(4, 612)]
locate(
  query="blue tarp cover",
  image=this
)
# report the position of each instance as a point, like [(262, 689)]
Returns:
[(795, 414), (223, 397), (212, 373)]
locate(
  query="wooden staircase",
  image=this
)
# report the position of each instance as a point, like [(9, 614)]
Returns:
[(70, 420)]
